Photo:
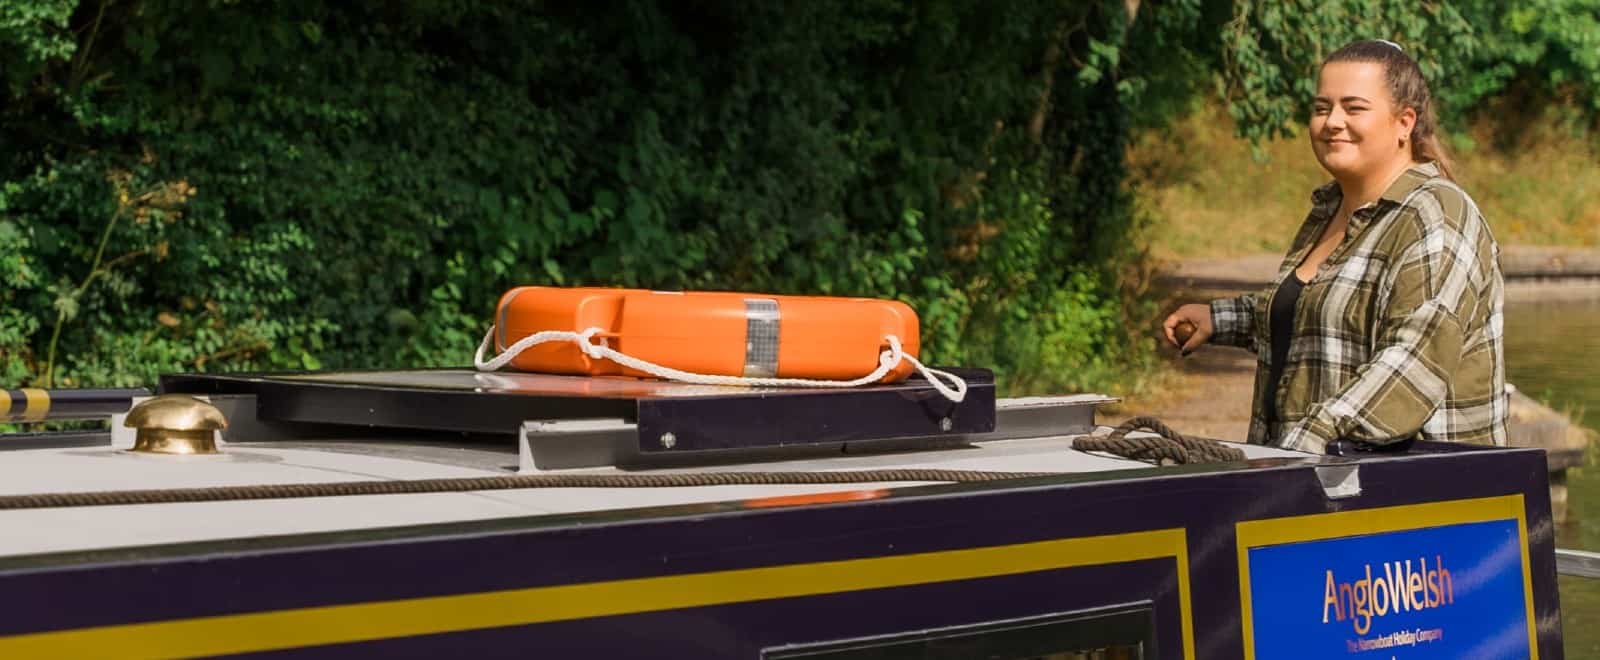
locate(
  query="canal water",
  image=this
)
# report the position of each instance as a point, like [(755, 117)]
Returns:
[(1553, 355)]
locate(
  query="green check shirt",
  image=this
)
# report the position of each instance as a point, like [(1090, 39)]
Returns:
[(1398, 335)]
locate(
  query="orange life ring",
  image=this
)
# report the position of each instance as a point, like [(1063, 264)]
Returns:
[(749, 335)]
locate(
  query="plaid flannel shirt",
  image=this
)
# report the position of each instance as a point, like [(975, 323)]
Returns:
[(1398, 335)]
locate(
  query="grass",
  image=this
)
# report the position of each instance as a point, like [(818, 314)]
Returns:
[(1210, 195)]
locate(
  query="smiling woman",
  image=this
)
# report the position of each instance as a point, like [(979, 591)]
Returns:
[(1384, 323), (1372, 68)]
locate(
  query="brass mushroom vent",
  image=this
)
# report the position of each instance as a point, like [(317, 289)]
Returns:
[(175, 424)]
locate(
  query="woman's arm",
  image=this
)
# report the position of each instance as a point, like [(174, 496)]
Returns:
[(1234, 321), (1420, 334)]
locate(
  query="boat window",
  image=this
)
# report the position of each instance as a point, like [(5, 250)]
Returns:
[(1123, 632)]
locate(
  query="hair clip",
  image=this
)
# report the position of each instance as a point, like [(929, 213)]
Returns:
[(1391, 43)]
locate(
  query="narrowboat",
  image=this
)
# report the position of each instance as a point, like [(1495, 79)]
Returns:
[(460, 513)]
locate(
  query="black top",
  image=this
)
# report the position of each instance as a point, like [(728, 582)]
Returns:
[(1281, 319)]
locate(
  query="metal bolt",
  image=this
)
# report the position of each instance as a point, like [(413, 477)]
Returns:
[(668, 440), (945, 424)]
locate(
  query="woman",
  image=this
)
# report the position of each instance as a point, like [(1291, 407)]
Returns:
[(1384, 321)]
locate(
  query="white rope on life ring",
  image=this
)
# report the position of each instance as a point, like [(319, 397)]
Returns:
[(948, 384)]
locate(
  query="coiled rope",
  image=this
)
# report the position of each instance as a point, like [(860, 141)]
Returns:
[(948, 384), (1167, 448)]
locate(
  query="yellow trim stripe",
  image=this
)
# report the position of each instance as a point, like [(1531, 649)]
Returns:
[(5, 405), (1323, 526), (38, 404), (1527, 582), (313, 626)]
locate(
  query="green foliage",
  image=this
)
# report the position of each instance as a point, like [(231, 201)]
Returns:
[(33, 34), (16, 325), (1272, 50), (1548, 47), (303, 184), (1471, 51)]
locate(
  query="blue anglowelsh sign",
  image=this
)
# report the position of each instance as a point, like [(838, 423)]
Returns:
[(1453, 591)]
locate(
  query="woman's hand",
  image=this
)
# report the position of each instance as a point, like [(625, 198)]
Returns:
[(1197, 315)]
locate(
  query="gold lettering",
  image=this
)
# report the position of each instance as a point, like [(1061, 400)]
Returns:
[(1396, 580), (1361, 610), (1380, 587), (1330, 596), (1398, 588), (1413, 588), (1433, 587), (1447, 590), (1430, 582)]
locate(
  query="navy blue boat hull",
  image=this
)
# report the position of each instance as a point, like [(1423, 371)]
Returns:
[(744, 579)]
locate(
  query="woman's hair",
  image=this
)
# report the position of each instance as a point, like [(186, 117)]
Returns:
[(1408, 89)]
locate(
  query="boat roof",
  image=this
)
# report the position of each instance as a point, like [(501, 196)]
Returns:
[(1031, 435), (377, 459)]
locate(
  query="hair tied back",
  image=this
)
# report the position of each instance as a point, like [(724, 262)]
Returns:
[(1407, 88)]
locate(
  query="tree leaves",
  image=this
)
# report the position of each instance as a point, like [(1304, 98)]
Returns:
[(1469, 50), (375, 176)]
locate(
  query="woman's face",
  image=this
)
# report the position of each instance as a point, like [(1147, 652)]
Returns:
[(1355, 129)]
